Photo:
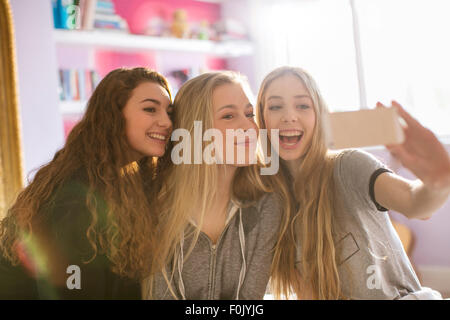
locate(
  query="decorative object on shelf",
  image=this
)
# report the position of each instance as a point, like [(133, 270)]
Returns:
[(165, 34), (230, 29), (179, 77), (157, 27), (179, 27), (204, 31)]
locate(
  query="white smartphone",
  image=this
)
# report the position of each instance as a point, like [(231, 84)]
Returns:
[(363, 128)]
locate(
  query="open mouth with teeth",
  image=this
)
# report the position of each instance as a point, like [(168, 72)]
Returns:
[(157, 137), (289, 139)]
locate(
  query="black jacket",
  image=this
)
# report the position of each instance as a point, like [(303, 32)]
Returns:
[(66, 220)]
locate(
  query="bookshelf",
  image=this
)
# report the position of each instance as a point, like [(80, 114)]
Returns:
[(125, 42), (86, 46), (72, 106), (120, 41)]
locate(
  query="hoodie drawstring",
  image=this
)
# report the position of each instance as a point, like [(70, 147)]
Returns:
[(244, 263), (243, 271)]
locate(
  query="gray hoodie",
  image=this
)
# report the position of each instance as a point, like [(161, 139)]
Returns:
[(236, 267)]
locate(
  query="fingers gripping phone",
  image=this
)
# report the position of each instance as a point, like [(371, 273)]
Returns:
[(363, 128)]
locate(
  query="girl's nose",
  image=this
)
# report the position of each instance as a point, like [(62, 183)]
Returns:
[(248, 123), (164, 121), (289, 116)]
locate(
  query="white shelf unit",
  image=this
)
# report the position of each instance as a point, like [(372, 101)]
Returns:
[(72, 107), (124, 42), (129, 42)]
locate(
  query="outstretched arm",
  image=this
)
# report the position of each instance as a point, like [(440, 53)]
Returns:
[(427, 159)]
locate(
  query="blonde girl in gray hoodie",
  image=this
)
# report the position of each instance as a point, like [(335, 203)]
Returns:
[(218, 222)]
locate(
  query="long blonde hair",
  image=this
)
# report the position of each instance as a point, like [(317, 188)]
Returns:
[(313, 225), (178, 201)]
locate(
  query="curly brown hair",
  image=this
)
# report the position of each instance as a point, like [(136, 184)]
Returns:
[(98, 146)]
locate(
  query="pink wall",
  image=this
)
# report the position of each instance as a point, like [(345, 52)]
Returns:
[(106, 61), (138, 12)]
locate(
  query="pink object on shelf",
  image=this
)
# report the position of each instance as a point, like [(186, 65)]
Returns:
[(139, 12)]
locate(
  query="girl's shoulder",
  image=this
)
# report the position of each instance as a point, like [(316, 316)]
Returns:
[(352, 156), (354, 163), (266, 210), (355, 172), (68, 216), (71, 191), (69, 202), (269, 207), (75, 190), (268, 201)]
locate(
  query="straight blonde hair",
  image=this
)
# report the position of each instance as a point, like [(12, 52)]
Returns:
[(177, 202), (312, 226)]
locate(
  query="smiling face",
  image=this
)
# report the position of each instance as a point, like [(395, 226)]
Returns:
[(232, 110), (148, 125), (288, 106)]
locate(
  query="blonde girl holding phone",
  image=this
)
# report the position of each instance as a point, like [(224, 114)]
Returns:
[(340, 242)]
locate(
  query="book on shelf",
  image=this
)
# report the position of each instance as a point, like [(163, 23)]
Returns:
[(65, 84), (81, 84), (61, 93), (95, 78), (67, 14), (107, 17), (88, 87), (111, 25), (109, 20), (74, 85), (105, 5), (87, 15), (77, 84), (109, 11)]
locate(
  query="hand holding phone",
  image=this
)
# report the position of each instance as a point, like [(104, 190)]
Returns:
[(363, 128)]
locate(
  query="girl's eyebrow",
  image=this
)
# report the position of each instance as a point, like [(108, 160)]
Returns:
[(303, 96), (296, 96), (232, 106), (151, 100), (228, 106)]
